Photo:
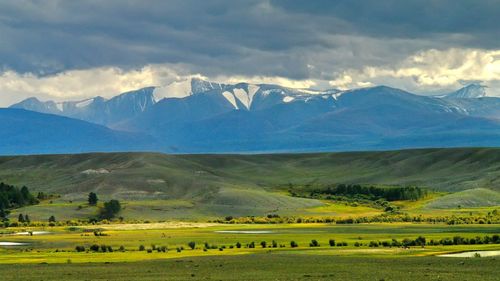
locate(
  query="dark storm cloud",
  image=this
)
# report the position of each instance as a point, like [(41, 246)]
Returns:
[(254, 37), (409, 18)]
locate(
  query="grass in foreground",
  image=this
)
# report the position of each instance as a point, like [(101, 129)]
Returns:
[(266, 266)]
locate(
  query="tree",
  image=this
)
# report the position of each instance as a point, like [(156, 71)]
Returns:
[(27, 197), (20, 218), (263, 244), (111, 208), (52, 219), (420, 241), (93, 199), (331, 242), (27, 218), (80, 248), (192, 245), (314, 243), (293, 244)]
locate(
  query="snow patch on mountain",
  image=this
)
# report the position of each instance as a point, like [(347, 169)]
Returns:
[(243, 97), (200, 86), (84, 103), (288, 99), (177, 89), (252, 89), (60, 106), (230, 97)]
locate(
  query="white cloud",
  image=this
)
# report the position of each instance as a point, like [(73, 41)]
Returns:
[(424, 72), (79, 84), (110, 81), (285, 82), (430, 70)]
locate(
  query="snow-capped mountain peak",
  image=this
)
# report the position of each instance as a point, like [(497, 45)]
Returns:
[(474, 90), (241, 93), (185, 88)]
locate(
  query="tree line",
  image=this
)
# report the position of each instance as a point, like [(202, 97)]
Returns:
[(420, 241), (373, 192), (13, 197)]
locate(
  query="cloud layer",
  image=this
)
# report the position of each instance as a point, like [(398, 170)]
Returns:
[(52, 48)]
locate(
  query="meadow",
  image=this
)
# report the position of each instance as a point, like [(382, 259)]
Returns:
[(51, 256), (172, 208), (266, 266)]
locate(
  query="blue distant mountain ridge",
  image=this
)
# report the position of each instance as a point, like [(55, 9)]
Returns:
[(198, 116)]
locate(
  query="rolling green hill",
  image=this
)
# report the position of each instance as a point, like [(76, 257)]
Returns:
[(247, 184), (477, 197)]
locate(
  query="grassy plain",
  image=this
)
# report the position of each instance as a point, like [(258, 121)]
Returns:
[(53, 256), (186, 191), (59, 245), (266, 266)]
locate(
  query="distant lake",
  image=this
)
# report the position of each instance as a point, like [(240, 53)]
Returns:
[(12, 244), (472, 254), (245, 231)]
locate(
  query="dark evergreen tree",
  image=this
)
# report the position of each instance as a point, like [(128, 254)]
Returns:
[(93, 199)]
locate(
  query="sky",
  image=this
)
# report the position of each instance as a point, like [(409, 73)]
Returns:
[(70, 50)]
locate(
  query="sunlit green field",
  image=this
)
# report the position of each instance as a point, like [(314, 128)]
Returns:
[(226, 262), (266, 266), (170, 202), (59, 245)]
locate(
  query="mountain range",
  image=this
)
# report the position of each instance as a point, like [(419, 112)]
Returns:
[(198, 116)]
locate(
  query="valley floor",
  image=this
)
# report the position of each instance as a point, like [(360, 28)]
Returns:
[(266, 266), (50, 253)]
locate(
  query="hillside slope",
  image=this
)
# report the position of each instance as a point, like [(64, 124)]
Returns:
[(477, 197), (137, 175), (160, 186), (29, 132)]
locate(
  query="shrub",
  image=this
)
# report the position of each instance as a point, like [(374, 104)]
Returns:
[(110, 209), (293, 244), (331, 242), (314, 243), (94, 248), (420, 241), (263, 244), (192, 245), (238, 245), (142, 248), (80, 248)]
